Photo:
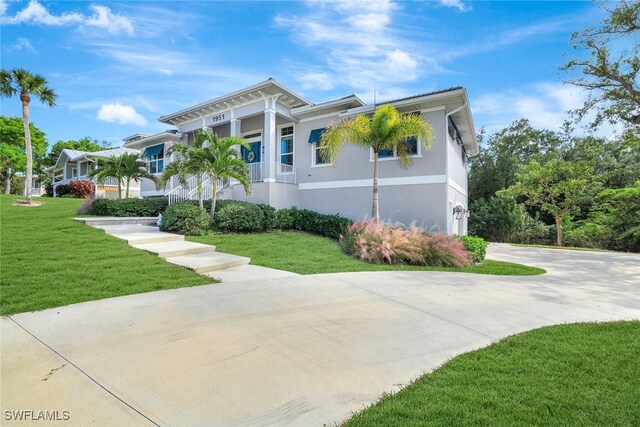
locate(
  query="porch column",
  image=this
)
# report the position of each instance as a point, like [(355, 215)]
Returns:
[(78, 169), (234, 127), (269, 138)]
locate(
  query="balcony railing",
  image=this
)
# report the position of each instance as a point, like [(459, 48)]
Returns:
[(108, 181), (285, 173), (255, 171)]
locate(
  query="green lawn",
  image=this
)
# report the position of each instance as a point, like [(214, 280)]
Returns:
[(567, 375), (306, 254), (48, 260)]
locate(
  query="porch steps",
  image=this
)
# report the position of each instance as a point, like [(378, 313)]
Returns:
[(146, 237), (126, 228), (211, 261), (114, 220), (175, 249), (142, 233)]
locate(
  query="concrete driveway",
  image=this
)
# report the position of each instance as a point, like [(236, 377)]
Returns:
[(304, 350)]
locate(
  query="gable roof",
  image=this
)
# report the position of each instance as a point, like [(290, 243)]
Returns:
[(75, 155)]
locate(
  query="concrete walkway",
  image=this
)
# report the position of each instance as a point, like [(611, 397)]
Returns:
[(305, 350), (142, 233)]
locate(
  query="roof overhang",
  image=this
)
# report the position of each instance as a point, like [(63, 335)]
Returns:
[(454, 100), (337, 105), (236, 99), (158, 137)]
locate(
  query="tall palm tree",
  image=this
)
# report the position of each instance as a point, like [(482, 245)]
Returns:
[(127, 167), (111, 167), (213, 156), (386, 130), (186, 165), (21, 81), (134, 168)]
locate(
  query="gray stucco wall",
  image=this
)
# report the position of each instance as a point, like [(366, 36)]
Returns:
[(420, 204)]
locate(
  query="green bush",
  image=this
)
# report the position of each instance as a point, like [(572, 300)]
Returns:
[(496, 219), (588, 234), (238, 216), (184, 218), (269, 214), (129, 207), (476, 246), (534, 232), (332, 226)]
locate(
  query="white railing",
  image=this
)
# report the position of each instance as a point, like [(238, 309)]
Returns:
[(190, 190), (255, 171), (285, 173)]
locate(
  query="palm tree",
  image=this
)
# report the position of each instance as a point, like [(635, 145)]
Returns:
[(134, 168), (186, 166), (127, 167), (386, 130), (111, 167), (21, 81), (213, 156)]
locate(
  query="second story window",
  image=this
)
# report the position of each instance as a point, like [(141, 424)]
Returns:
[(155, 154), (286, 145)]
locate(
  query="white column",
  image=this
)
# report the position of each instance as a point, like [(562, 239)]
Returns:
[(234, 125), (270, 138), (78, 169)]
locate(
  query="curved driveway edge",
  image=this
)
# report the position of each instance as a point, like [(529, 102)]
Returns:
[(305, 350)]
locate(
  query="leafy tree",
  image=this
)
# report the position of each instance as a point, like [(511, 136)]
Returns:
[(21, 81), (127, 167), (386, 130), (622, 209), (84, 144), (216, 157), (557, 188), (186, 165), (610, 71), (499, 160), (12, 148), (496, 219)]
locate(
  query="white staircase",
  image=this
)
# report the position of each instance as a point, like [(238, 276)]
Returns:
[(190, 190)]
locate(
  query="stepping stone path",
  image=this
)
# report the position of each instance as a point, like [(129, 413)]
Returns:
[(142, 233)]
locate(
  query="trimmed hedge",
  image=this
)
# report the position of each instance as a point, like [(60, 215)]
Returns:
[(239, 217), (332, 226), (185, 218), (476, 246), (129, 207)]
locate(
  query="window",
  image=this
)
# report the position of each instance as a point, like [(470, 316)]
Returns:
[(321, 157), (286, 145), (412, 145), (412, 148), (155, 154), (385, 153)]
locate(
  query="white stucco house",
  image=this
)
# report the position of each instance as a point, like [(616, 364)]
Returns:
[(287, 168)]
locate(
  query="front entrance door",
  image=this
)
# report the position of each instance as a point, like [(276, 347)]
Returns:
[(252, 154)]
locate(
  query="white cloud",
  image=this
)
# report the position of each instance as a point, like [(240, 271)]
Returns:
[(457, 4), (36, 13), (358, 41), (22, 44), (120, 114), (103, 18)]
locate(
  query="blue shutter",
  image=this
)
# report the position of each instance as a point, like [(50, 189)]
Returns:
[(315, 135), (150, 152)]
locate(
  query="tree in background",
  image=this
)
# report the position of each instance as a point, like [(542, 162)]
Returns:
[(386, 130), (134, 168), (556, 187), (622, 210), (496, 219), (84, 144), (12, 148), (499, 160), (21, 81), (610, 72)]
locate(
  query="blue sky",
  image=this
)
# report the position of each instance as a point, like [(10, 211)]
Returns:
[(118, 66)]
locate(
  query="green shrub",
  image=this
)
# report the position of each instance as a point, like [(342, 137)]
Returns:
[(332, 226), (588, 234), (129, 207), (496, 219), (534, 232), (269, 215), (184, 218), (287, 218), (476, 246), (238, 216)]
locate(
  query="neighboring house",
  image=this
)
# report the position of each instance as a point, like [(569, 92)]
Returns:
[(287, 168), (37, 189), (75, 165)]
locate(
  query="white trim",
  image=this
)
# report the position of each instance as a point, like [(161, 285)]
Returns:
[(321, 116), (460, 189), (314, 149), (269, 180), (395, 154), (293, 145), (382, 182)]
